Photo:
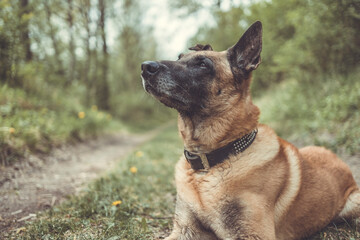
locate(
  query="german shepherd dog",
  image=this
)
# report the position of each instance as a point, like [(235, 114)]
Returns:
[(237, 178)]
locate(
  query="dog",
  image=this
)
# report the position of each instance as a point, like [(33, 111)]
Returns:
[(237, 178)]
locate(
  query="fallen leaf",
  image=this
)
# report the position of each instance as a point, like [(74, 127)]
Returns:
[(19, 230)]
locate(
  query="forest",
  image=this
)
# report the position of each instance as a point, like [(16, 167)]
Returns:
[(56, 68), (56, 63), (70, 72)]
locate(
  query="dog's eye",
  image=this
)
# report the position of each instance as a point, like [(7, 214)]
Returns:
[(202, 65), (201, 62)]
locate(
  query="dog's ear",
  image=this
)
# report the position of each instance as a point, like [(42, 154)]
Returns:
[(244, 56), (200, 47)]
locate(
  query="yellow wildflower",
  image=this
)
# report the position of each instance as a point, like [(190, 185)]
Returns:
[(133, 169), (118, 202), (139, 154), (94, 108), (81, 115), (108, 116), (11, 130)]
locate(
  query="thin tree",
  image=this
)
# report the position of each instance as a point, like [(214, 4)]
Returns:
[(72, 62), (102, 91), (84, 9), (25, 35), (54, 41)]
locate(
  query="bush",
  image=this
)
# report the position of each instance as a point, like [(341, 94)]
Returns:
[(322, 109), (38, 122)]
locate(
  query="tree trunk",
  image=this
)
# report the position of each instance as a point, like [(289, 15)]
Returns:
[(59, 65), (5, 58), (72, 62), (25, 36), (86, 71), (103, 87)]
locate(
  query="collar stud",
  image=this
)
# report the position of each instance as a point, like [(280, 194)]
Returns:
[(204, 161)]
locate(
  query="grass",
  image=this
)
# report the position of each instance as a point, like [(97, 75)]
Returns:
[(143, 182), (323, 111), (340, 231), (32, 122)]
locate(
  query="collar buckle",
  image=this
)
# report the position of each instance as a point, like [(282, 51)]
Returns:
[(204, 161)]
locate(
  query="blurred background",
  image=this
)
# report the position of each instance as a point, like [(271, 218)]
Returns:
[(70, 69)]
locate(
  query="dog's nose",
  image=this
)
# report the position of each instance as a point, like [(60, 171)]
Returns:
[(150, 67)]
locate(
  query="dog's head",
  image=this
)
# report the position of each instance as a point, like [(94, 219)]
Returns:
[(201, 80)]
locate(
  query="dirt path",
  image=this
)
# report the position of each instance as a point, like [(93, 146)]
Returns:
[(40, 182)]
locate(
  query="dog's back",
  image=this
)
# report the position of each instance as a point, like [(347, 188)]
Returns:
[(326, 183)]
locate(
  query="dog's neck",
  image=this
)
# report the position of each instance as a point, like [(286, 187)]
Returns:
[(205, 134)]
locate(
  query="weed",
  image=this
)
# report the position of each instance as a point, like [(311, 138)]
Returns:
[(31, 122), (125, 204), (322, 112)]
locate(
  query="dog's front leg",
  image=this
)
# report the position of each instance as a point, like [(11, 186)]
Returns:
[(189, 232), (187, 226), (249, 220)]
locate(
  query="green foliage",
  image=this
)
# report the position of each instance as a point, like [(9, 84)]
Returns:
[(325, 112), (39, 121), (310, 36), (316, 37), (69, 68), (142, 182), (226, 32), (140, 111)]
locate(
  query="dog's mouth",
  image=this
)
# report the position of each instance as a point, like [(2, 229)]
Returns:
[(164, 96), (148, 86), (173, 85)]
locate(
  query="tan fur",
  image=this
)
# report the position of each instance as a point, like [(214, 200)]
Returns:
[(270, 191), (204, 135)]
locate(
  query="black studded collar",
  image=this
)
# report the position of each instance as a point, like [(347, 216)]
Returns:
[(208, 160)]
